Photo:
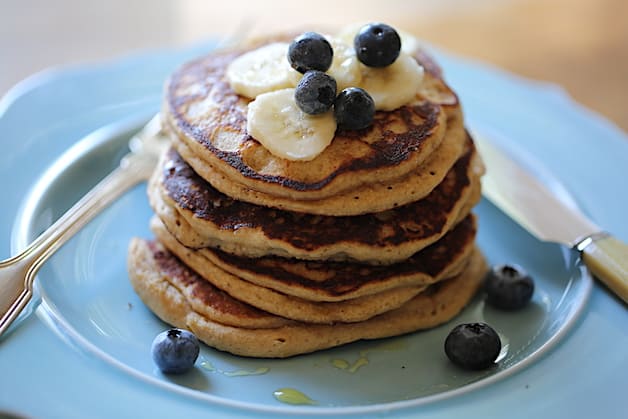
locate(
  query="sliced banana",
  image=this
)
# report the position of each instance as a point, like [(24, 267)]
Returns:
[(409, 43), (395, 85), (262, 70), (345, 67), (275, 120), (348, 33)]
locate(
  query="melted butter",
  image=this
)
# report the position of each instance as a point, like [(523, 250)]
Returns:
[(387, 345), (241, 373), (208, 366), (341, 364), (291, 396), (344, 365), (362, 361)]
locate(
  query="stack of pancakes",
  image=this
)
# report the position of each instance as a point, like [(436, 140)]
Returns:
[(261, 256)]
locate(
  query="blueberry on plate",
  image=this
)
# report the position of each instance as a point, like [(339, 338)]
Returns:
[(175, 351), (473, 346), (508, 287), (310, 51), (377, 45), (316, 92), (354, 108)]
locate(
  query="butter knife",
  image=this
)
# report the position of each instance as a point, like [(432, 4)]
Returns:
[(527, 200)]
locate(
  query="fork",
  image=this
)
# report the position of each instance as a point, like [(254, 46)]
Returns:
[(17, 273)]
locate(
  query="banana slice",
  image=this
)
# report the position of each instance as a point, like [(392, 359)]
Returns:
[(275, 120), (345, 66), (348, 33), (395, 85), (262, 70), (409, 43)]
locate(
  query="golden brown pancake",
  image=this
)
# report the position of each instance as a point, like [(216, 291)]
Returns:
[(296, 308), (207, 123), (338, 281), (266, 257), (367, 198), (172, 291), (200, 216), (148, 259)]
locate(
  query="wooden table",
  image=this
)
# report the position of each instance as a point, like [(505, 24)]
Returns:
[(581, 45)]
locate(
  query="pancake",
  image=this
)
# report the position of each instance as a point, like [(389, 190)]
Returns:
[(376, 196), (200, 216), (335, 281), (172, 291), (296, 308), (207, 125), (267, 257), (290, 307), (155, 271)]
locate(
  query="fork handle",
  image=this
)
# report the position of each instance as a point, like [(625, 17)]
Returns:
[(17, 273)]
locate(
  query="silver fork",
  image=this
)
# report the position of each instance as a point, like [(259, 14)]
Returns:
[(17, 273)]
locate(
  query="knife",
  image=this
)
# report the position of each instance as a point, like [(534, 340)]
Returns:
[(513, 188)]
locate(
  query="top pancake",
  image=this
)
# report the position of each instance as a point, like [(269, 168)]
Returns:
[(204, 115)]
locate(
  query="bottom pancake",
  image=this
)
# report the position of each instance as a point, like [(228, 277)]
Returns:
[(183, 299)]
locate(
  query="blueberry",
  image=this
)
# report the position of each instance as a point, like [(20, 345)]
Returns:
[(310, 51), (377, 45), (508, 287), (175, 351), (354, 108), (473, 346), (315, 92)]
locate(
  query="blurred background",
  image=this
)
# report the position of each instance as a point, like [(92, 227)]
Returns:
[(581, 45)]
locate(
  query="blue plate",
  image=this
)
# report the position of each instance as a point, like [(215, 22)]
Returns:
[(102, 331), (86, 294)]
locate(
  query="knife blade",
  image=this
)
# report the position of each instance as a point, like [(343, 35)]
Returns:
[(513, 188)]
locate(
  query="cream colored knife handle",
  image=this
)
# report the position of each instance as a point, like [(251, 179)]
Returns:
[(607, 258), (18, 273)]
